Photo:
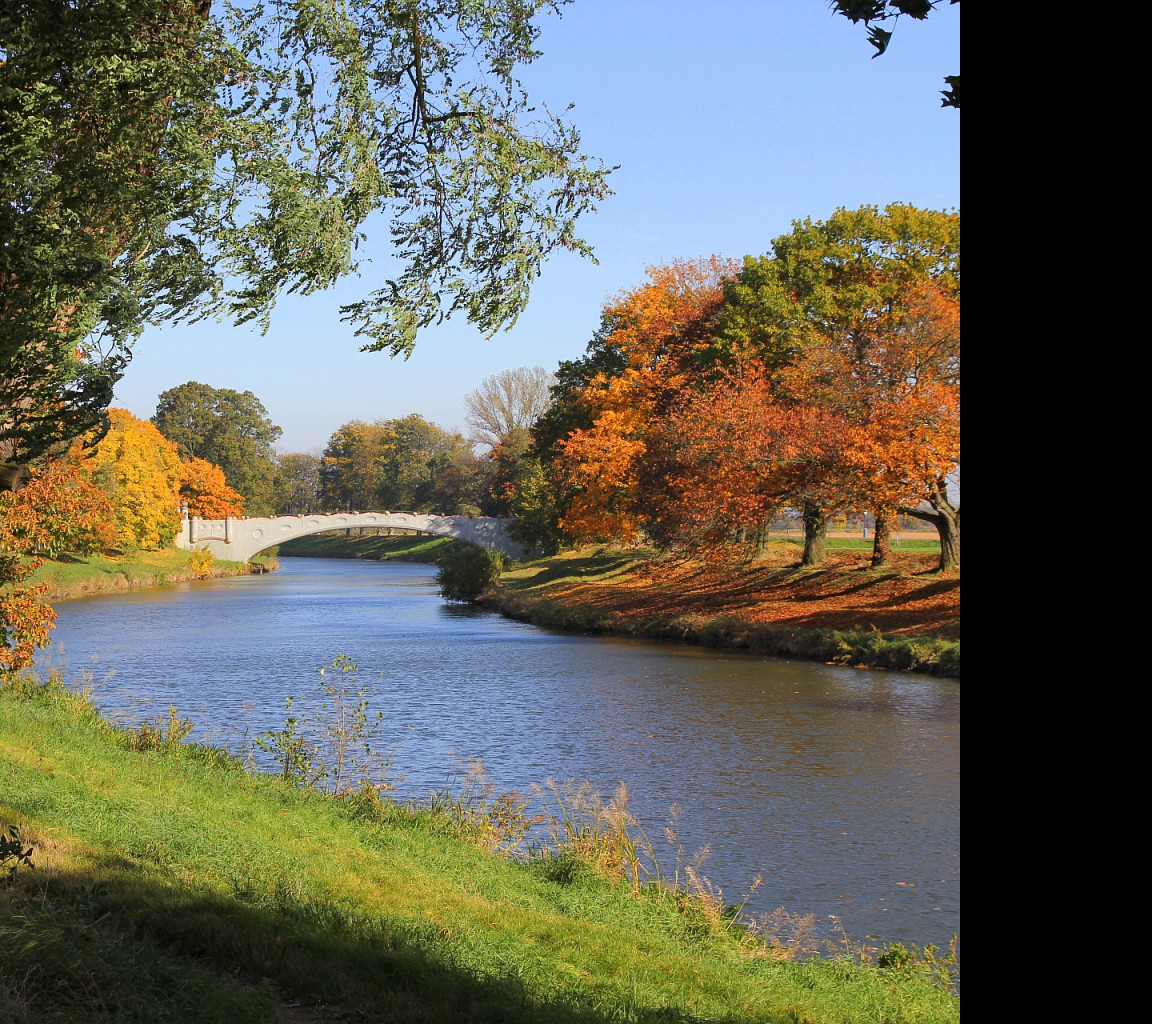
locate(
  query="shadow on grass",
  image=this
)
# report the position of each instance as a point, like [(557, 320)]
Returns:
[(115, 942), (583, 570)]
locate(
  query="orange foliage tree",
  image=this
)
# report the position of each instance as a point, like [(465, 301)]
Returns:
[(859, 314), (662, 330), (140, 471), (58, 510), (206, 492), (738, 452), (895, 383)]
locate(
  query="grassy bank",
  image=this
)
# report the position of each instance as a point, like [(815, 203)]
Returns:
[(901, 617), (421, 548), (171, 884), (76, 576)]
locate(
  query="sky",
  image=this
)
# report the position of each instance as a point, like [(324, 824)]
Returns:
[(728, 120)]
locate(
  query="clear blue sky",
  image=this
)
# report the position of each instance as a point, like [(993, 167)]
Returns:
[(729, 119)]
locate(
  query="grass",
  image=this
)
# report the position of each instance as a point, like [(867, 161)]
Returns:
[(904, 616), (75, 575), (336, 544), (173, 884)]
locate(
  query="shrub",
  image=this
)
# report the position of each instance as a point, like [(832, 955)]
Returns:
[(200, 562), (466, 571)]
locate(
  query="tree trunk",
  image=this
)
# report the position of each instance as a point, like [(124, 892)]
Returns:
[(946, 519), (881, 552), (815, 535)]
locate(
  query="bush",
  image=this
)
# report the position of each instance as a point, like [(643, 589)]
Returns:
[(467, 570)]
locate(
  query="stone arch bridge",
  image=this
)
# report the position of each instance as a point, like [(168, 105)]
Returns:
[(238, 540)]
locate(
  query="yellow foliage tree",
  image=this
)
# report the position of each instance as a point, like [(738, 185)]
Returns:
[(139, 469)]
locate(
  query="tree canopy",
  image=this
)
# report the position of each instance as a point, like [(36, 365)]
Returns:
[(507, 401), (181, 159), (231, 429)]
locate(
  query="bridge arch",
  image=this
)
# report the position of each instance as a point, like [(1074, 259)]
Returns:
[(239, 540)]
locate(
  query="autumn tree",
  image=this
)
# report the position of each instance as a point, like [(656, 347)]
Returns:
[(230, 429), (507, 401), (904, 406), (661, 331), (204, 491), (59, 511), (737, 454), (828, 313), (349, 471), (139, 469), (168, 160)]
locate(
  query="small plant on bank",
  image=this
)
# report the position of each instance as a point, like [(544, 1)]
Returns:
[(200, 563), (337, 748), (159, 734), (466, 571), (496, 822), (290, 750)]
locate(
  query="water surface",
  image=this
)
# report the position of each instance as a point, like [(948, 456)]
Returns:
[(839, 787)]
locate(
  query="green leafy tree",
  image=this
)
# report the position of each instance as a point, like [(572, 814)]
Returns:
[(297, 484), (229, 428), (400, 464), (168, 160), (103, 127), (415, 453), (459, 486)]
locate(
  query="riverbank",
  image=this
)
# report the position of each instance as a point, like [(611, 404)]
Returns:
[(172, 883), (902, 617), (77, 576)]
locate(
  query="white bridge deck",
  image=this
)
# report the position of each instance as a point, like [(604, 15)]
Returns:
[(238, 540)]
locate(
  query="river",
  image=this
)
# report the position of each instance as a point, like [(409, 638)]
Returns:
[(838, 787)]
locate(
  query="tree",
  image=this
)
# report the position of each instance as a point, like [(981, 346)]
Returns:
[(507, 401), (518, 487), (102, 133), (414, 453), (297, 486), (58, 511), (229, 428), (205, 492), (662, 332), (348, 472), (831, 314), (168, 160), (389, 464), (737, 453), (873, 12), (139, 469)]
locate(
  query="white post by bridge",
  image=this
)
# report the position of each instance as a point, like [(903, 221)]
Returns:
[(238, 540)]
